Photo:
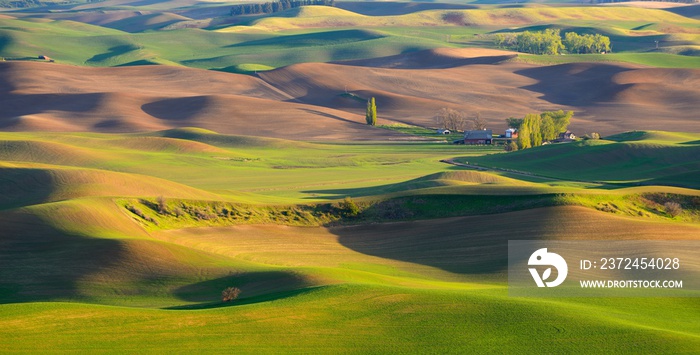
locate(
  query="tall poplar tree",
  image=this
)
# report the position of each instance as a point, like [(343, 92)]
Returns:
[(371, 113)]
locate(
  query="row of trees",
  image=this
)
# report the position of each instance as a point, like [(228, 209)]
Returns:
[(534, 129), (543, 42), (550, 41), (586, 43), (276, 6), (454, 120), (19, 4)]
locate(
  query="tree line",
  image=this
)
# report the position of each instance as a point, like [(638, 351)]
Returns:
[(19, 4), (550, 42), (455, 120), (586, 43), (535, 129), (276, 6)]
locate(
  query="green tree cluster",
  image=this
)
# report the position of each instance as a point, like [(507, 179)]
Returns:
[(349, 208), (371, 113), (276, 6), (550, 41), (586, 43), (534, 129)]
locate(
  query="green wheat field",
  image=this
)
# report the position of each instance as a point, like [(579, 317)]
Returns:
[(121, 239)]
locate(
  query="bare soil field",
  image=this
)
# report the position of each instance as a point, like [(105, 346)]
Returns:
[(649, 4), (325, 101)]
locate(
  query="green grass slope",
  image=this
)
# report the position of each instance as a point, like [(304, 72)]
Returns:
[(395, 294), (30, 184), (78, 265), (637, 158), (87, 250), (659, 60), (319, 16), (355, 319), (313, 34)]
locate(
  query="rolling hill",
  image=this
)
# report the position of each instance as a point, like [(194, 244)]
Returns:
[(607, 98), (166, 155), (321, 16), (654, 159), (45, 97), (84, 239)]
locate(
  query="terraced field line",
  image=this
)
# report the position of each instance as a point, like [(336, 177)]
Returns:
[(522, 173), (276, 89)]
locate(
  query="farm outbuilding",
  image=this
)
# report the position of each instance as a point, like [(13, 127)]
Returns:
[(478, 137), (565, 137)]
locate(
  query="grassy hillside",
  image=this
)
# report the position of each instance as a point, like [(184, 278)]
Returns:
[(659, 60), (397, 303), (238, 165), (388, 319), (87, 241), (318, 16), (342, 238), (646, 158), (313, 34)]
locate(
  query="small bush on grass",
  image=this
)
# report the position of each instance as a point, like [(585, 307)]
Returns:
[(178, 212), (349, 207), (230, 293), (162, 204), (137, 211), (673, 208)]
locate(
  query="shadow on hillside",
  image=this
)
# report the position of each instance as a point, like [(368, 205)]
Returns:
[(691, 11), (476, 245), (18, 105), (421, 58), (6, 86), (24, 187), (248, 300), (335, 194), (328, 115), (251, 284), (576, 84), (40, 263), (255, 287), (5, 40), (375, 8), (177, 109), (113, 52), (313, 39)]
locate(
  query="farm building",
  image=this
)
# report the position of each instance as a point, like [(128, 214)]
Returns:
[(511, 133), (478, 137), (444, 131), (565, 137)]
